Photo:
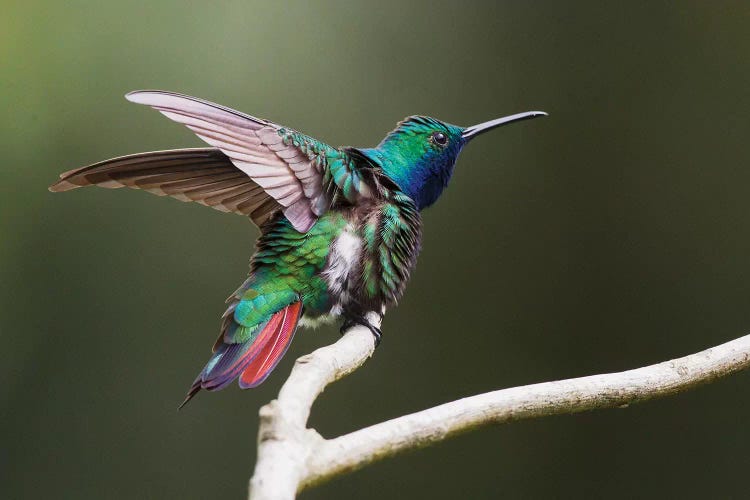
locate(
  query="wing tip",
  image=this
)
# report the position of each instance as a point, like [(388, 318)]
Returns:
[(143, 96), (61, 186), (150, 96), (140, 96)]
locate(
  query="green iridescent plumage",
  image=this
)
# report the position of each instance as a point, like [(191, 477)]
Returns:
[(340, 227), (288, 264)]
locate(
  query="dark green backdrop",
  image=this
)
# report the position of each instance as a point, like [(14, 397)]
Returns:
[(613, 234)]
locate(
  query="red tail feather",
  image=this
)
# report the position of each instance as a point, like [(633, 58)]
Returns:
[(253, 359), (280, 331)]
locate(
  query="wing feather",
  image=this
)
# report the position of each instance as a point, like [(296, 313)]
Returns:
[(203, 175), (257, 147), (256, 168)]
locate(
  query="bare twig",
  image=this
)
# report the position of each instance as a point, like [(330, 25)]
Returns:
[(291, 457)]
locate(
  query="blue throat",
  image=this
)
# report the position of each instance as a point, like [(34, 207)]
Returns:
[(423, 181)]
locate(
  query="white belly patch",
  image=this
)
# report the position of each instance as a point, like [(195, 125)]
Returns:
[(342, 261)]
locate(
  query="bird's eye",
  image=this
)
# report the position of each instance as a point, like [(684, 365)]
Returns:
[(439, 138)]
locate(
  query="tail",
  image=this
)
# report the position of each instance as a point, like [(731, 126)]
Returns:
[(252, 360)]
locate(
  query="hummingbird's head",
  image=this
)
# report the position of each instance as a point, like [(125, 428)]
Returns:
[(420, 153)]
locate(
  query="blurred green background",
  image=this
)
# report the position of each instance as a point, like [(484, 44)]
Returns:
[(613, 234)]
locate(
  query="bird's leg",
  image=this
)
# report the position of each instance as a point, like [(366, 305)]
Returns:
[(355, 319)]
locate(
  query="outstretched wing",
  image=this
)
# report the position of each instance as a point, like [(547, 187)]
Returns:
[(288, 166), (203, 175)]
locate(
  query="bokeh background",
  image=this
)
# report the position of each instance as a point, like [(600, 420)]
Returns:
[(613, 234)]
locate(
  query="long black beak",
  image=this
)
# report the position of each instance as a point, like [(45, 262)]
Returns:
[(475, 130)]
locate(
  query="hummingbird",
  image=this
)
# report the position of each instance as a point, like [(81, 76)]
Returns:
[(340, 228)]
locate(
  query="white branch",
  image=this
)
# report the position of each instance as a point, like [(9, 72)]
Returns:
[(284, 442), (291, 457)]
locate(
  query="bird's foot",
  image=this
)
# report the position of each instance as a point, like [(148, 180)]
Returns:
[(359, 320)]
